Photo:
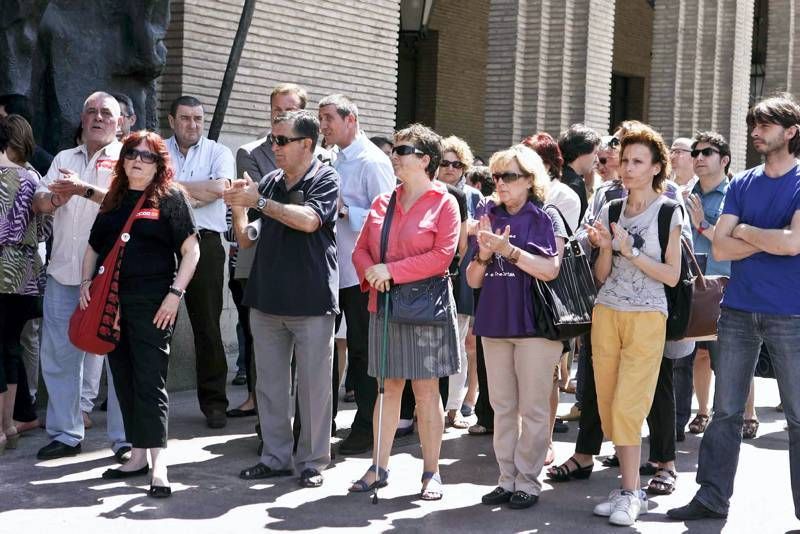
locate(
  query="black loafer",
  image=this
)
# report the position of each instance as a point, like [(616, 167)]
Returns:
[(56, 449), (499, 495), (159, 492), (260, 470), (236, 412), (310, 478), (216, 420), (520, 500), (693, 511), (123, 454), (117, 474), (401, 432), (356, 443)]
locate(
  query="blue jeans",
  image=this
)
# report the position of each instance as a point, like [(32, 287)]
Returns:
[(740, 337), (62, 370)]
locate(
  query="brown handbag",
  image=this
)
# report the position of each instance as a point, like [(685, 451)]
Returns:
[(706, 298)]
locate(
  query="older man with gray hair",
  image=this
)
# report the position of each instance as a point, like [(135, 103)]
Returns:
[(292, 293), (72, 191)]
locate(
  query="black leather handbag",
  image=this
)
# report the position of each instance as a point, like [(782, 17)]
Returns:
[(424, 302), (563, 306)]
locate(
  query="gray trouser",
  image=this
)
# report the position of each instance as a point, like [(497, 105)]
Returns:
[(275, 338)]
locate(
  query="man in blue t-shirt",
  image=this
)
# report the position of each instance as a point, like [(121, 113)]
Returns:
[(759, 232)]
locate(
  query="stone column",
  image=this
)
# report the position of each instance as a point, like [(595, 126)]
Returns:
[(782, 71), (548, 66), (701, 70)]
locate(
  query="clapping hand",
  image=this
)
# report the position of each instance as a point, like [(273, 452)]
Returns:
[(599, 236), (695, 207), (379, 277), (621, 237), (491, 242), (242, 193)]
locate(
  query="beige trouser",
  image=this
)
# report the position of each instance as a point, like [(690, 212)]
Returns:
[(520, 376)]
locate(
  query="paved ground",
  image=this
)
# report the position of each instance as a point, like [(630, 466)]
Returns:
[(67, 496)]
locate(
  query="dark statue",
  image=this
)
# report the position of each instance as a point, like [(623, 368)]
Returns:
[(58, 52)]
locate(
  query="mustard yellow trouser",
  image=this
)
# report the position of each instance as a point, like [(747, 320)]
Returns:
[(627, 348)]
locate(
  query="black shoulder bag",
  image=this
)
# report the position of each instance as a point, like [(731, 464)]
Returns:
[(424, 302), (563, 307)]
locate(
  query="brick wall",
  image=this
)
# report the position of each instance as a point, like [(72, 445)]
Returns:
[(633, 41), (700, 75), (325, 45), (461, 28), (782, 71)]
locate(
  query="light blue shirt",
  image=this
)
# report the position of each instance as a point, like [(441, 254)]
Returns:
[(365, 172), (713, 204), (206, 160)]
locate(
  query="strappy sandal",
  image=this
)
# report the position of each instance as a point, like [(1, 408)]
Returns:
[(455, 422), (663, 483), (698, 424), (611, 461), (749, 429), (562, 473), (361, 485), (434, 490)]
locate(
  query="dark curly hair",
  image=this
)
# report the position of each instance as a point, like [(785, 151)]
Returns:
[(162, 181), (425, 140)]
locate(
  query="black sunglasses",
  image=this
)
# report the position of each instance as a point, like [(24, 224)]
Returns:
[(146, 156), (613, 142), (405, 150), (706, 152), (602, 161), (507, 177), (455, 164), (282, 140)]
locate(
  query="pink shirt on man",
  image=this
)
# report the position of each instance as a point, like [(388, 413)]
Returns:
[(422, 241)]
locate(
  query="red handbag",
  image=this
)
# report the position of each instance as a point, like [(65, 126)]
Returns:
[(96, 329)]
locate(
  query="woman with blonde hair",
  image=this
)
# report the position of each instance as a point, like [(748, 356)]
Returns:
[(517, 241)]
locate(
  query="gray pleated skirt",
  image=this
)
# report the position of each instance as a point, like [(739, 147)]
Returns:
[(414, 352)]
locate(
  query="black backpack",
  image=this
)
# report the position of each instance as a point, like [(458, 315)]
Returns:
[(679, 298)]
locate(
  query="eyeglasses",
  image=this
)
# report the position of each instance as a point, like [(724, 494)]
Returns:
[(405, 150), (507, 177), (706, 152), (602, 161), (282, 140), (676, 150), (455, 164), (147, 157)]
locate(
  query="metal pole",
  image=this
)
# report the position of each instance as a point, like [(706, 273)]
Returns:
[(230, 71)]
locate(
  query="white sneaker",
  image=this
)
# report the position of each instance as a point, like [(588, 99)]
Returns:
[(627, 507), (605, 509)]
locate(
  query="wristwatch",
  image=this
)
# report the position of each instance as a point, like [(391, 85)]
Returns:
[(177, 292), (89, 193), (635, 252), (261, 202), (703, 227)]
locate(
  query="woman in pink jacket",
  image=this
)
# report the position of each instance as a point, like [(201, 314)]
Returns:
[(422, 242)]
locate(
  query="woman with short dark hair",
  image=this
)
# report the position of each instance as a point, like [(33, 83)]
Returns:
[(422, 241), (21, 273)]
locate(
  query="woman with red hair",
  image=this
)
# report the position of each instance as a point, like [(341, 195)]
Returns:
[(159, 259)]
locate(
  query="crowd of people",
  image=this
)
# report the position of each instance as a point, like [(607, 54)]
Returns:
[(405, 268)]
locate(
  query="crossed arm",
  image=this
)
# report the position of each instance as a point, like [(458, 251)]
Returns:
[(736, 241)]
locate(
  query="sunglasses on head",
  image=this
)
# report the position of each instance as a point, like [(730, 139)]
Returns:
[(455, 164), (706, 152), (507, 177), (282, 140), (145, 155), (405, 150)]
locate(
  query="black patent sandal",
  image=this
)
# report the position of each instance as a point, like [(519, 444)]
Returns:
[(562, 473)]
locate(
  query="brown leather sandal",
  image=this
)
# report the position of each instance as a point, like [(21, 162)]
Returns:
[(698, 424)]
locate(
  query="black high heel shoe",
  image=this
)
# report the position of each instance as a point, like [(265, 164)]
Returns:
[(563, 473)]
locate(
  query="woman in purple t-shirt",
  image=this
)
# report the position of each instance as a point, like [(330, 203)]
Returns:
[(516, 243)]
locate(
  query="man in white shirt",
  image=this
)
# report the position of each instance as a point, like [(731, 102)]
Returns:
[(365, 172), (72, 191), (203, 167)]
